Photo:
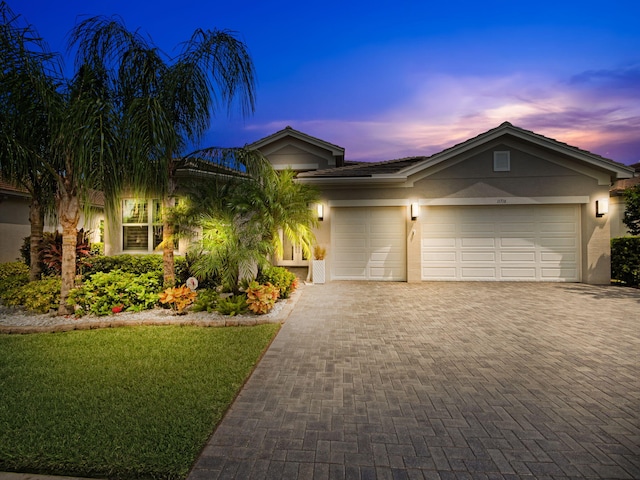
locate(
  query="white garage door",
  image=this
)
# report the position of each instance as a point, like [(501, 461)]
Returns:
[(506, 242), (368, 243)]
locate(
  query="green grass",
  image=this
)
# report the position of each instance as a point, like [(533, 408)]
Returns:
[(119, 403)]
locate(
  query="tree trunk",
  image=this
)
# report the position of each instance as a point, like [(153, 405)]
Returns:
[(36, 219), (69, 213), (168, 268), (168, 264)]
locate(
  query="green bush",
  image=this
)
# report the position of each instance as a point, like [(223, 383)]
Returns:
[(39, 296), (13, 275), (97, 248), (116, 289), (625, 260), (279, 277), (207, 301), (233, 305), (137, 264), (13, 269)]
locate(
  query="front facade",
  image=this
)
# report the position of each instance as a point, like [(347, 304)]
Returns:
[(507, 205)]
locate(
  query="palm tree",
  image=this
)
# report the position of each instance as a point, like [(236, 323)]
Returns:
[(27, 85), (165, 103), (242, 218)]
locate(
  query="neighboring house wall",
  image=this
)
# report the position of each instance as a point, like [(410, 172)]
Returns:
[(15, 225)]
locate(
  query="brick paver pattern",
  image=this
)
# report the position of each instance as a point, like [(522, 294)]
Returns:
[(441, 381)]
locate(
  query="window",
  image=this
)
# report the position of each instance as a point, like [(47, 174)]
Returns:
[(141, 224), (502, 161)]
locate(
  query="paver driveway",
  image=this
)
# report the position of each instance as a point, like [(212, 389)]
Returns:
[(441, 380)]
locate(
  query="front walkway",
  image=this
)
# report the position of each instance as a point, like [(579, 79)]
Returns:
[(441, 380)]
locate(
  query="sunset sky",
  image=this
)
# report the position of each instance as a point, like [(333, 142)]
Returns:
[(390, 79)]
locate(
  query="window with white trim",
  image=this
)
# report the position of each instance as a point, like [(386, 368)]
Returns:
[(141, 224), (502, 161)]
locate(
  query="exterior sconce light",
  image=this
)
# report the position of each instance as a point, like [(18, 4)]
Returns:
[(320, 212), (602, 207), (415, 210)]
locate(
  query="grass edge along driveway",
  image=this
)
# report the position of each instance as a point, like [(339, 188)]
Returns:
[(135, 402)]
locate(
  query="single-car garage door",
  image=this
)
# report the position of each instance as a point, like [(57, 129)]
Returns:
[(504, 242), (368, 243)]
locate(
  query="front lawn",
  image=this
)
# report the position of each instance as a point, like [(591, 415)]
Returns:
[(119, 403)]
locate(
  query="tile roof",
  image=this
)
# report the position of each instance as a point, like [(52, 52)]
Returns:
[(396, 166), (366, 169)]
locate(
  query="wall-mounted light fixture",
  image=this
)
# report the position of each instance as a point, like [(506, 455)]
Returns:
[(602, 207), (320, 212), (415, 210)]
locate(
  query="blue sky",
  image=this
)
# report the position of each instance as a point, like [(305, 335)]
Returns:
[(390, 79)]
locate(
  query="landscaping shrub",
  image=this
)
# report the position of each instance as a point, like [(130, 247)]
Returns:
[(233, 305), (51, 253), (13, 269), (178, 298), (136, 264), (39, 296), (281, 278), (625, 260), (207, 301), (261, 298), (119, 290)]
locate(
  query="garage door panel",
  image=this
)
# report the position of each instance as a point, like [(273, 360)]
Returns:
[(478, 256), (526, 242), (478, 242), (439, 257), (481, 228), (518, 257), (518, 273), (517, 242), (486, 273), (439, 242), (372, 249)]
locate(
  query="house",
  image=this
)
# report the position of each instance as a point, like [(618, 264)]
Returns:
[(506, 205)]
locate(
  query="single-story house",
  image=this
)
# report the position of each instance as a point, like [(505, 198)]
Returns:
[(506, 205)]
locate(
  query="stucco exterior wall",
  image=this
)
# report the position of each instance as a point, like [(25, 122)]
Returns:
[(300, 156), (472, 181)]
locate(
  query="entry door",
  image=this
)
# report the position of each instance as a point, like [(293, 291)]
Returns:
[(293, 256)]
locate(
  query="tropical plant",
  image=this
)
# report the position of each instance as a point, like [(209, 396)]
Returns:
[(261, 298), (40, 296), (178, 298), (232, 305), (281, 278), (207, 300), (27, 85), (242, 221), (632, 210), (123, 89), (166, 103), (319, 252), (51, 252), (13, 275), (104, 291)]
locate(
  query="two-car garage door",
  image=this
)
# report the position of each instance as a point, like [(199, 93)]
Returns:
[(505, 242)]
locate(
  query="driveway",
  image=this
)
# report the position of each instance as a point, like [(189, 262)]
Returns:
[(441, 380)]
